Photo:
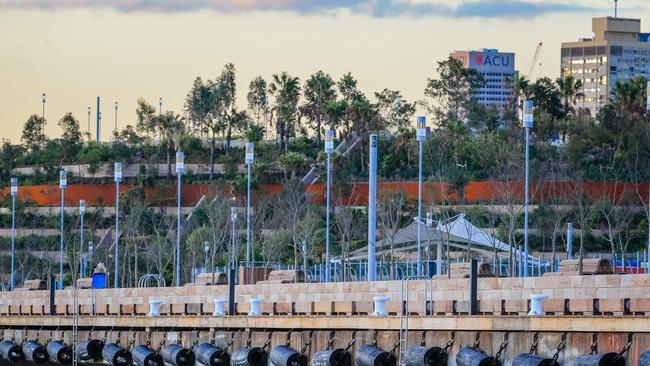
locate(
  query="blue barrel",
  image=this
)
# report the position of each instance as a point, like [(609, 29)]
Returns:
[(59, 352), (10, 351), (526, 359), (469, 356), (208, 354), (99, 280), (116, 355), (176, 355), (425, 356), (90, 350), (369, 355), (35, 352), (600, 359), (332, 357), (145, 356), (285, 356), (254, 356)]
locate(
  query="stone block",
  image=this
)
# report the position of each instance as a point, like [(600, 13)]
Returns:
[(193, 309), (141, 309), (284, 308), (127, 309), (324, 307), (491, 307), (639, 306), (515, 307), (443, 307), (612, 306), (304, 307), (554, 306), (581, 306)]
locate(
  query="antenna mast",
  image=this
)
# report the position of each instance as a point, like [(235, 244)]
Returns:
[(615, 8)]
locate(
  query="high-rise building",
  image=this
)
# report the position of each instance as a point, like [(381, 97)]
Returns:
[(497, 69), (617, 51)]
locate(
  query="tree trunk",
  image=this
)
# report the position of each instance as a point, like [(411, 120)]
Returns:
[(318, 123), (295, 261), (228, 136), (169, 162)]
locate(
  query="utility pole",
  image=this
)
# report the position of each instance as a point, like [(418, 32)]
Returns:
[(14, 192), (180, 168), (527, 122), (372, 209), (329, 149), (118, 180), (63, 184)]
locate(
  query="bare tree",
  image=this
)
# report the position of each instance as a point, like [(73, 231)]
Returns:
[(390, 211)]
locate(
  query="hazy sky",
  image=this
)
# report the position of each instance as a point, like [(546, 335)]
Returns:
[(75, 50)]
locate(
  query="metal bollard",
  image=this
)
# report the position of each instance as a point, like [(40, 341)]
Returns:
[(209, 355), (526, 359), (10, 351), (35, 352), (369, 355), (59, 352), (90, 350), (116, 355), (145, 356), (600, 359), (425, 356), (176, 355), (469, 356), (255, 356), (285, 356), (332, 357)]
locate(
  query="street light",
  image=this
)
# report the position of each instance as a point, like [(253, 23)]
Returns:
[(118, 179), (43, 115), (89, 259), (329, 149), (82, 211), (231, 276), (250, 158), (527, 121), (14, 192), (63, 184), (88, 130), (429, 224), (180, 168), (421, 135), (116, 117)]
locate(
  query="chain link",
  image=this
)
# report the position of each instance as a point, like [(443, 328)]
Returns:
[(196, 341), (162, 342), (502, 347), (626, 348), (330, 342), (594, 344), (395, 347), (423, 338), (307, 342), (559, 349), (352, 341), (477, 341), (374, 338), (288, 341), (450, 342), (268, 341), (533, 347), (148, 342)]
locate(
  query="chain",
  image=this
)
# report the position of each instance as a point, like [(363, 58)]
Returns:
[(268, 341), (594, 344), (374, 338), (395, 347), (450, 342), (148, 342), (38, 335), (132, 341), (307, 342), (230, 342), (162, 342), (626, 348), (288, 341), (502, 347), (330, 343), (213, 340), (533, 347), (477, 341), (352, 341), (248, 341), (119, 335), (196, 341), (423, 338), (559, 349), (90, 333)]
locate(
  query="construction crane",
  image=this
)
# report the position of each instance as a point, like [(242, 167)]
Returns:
[(533, 65)]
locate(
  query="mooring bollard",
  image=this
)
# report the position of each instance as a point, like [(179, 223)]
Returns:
[(380, 308), (536, 304), (255, 306), (154, 307), (10, 351), (218, 307), (59, 352)]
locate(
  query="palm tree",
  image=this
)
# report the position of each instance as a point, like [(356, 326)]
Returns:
[(172, 129), (286, 90), (570, 88), (319, 92), (521, 91)]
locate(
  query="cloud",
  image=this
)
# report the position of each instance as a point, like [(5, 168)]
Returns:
[(374, 8)]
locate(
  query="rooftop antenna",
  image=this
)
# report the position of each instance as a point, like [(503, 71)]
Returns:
[(615, 8)]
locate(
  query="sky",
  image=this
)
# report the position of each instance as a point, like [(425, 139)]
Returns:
[(76, 50)]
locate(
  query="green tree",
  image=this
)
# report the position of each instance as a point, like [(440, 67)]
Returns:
[(570, 89), (146, 117), (286, 90), (452, 95), (33, 136), (71, 135), (202, 104), (257, 98), (394, 115), (319, 92), (172, 129), (227, 87)]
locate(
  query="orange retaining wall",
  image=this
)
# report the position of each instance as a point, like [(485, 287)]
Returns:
[(351, 194)]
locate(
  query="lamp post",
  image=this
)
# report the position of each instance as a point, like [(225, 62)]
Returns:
[(180, 168), (43, 113), (89, 259), (14, 192), (329, 149), (231, 276), (429, 224), (527, 122), (82, 211), (250, 158), (63, 184), (372, 208), (421, 135), (116, 118), (648, 114), (118, 179), (88, 129)]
